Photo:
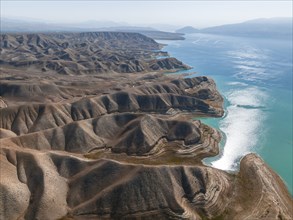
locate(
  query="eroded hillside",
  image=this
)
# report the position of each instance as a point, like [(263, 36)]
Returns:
[(85, 53), (114, 145)]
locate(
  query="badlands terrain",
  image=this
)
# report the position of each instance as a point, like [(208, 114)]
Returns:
[(92, 127)]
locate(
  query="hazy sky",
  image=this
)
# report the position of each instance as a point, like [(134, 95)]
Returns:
[(196, 13)]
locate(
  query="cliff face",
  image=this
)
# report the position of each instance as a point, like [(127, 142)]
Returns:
[(121, 146), (84, 53)]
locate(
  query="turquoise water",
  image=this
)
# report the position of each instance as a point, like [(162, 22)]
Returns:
[(255, 77)]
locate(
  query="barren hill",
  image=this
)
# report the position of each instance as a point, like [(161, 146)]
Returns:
[(84, 53), (112, 145)]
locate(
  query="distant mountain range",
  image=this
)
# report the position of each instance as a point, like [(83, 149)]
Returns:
[(9, 25), (30, 26), (187, 30), (268, 27)]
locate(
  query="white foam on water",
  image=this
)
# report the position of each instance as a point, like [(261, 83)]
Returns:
[(251, 73), (201, 41), (196, 41), (244, 117), (251, 64), (251, 96), (242, 126), (236, 84), (248, 53), (251, 69)]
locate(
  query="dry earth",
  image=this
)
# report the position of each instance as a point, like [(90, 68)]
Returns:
[(91, 128)]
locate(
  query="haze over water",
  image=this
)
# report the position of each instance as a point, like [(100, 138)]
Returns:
[(255, 77), (178, 13)]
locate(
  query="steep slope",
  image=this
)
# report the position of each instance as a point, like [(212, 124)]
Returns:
[(110, 190)]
